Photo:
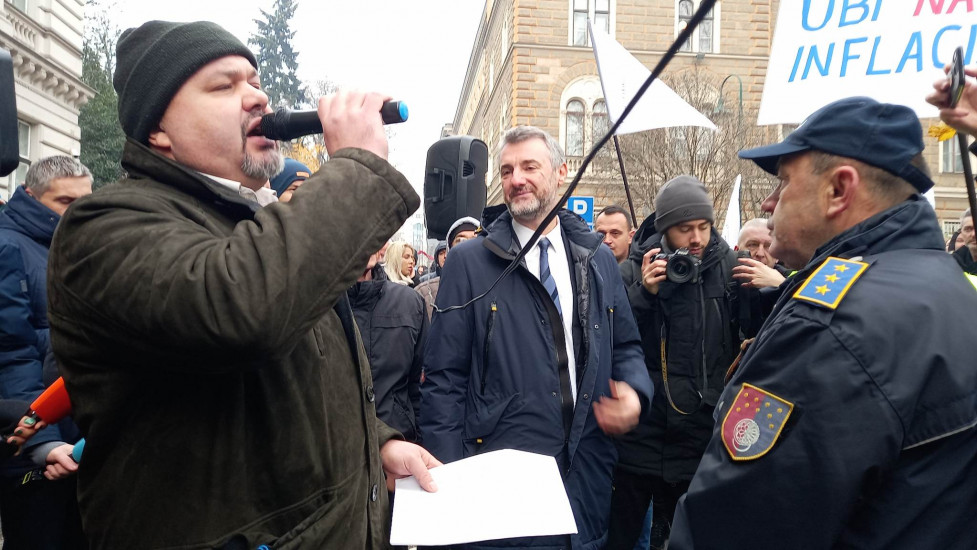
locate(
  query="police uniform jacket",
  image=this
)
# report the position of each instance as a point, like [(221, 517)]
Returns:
[(854, 409)]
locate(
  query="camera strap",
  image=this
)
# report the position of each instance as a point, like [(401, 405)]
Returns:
[(664, 365)]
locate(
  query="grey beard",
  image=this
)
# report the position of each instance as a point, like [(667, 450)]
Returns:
[(263, 167), (536, 209)]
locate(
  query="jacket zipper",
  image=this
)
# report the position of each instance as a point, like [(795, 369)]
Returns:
[(488, 341)]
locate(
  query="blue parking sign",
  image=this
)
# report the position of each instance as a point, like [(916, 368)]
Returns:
[(583, 207)]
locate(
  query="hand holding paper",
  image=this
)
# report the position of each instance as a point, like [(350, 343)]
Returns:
[(401, 459)]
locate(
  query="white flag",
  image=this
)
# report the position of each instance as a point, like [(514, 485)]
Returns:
[(731, 227), (621, 75)]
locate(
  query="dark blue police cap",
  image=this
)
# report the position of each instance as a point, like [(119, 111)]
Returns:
[(880, 134)]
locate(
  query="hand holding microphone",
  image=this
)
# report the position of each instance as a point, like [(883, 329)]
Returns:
[(345, 119)]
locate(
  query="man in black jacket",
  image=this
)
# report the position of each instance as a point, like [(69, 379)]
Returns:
[(393, 325), (689, 340)]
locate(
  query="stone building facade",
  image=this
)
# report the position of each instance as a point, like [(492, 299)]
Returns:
[(44, 38), (532, 63)]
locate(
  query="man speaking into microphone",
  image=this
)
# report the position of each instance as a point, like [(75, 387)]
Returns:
[(203, 330)]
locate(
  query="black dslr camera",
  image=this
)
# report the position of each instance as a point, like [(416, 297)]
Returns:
[(682, 267)]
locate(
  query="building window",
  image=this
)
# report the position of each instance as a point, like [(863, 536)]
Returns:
[(19, 4), (18, 176), (602, 15), (580, 22), (575, 118), (598, 11), (599, 124), (950, 159), (704, 38), (599, 116)]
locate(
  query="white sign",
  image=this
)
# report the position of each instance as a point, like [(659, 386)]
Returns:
[(496, 495), (621, 75), (731, 225), (889, 50)]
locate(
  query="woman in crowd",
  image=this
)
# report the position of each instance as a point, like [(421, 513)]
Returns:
[(400, 263)]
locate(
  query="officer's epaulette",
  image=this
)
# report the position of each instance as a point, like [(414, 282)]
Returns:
[(830, 282)]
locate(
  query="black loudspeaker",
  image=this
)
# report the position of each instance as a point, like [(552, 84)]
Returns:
[(9, 149), (454, 182)]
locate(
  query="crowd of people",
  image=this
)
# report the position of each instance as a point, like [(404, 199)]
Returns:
[(253, 363)]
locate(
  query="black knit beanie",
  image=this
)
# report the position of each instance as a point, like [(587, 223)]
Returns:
[(154, 60), (682, 199)]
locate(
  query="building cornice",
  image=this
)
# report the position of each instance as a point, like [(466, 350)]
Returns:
[(656, 53), (34, 71), (39, 74)]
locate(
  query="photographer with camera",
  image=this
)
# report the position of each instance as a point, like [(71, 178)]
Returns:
[(679, 280)]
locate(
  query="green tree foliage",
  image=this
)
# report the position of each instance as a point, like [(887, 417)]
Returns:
[(101, 134), (277, 59)]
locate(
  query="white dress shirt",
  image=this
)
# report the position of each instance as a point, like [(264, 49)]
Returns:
[(560, 271), (263, 196)]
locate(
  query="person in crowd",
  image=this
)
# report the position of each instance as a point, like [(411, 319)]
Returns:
[(462, 230), (966, 253), (400, 263), (37, 499), (760, 270), (760, 275), (689, 336), (292, 176), (549, 361), (615, 224), (203, 328), (393, 326), (850, 420), (440, 252)]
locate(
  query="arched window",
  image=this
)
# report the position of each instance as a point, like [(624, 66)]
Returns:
[(600, 122), (575, 117)]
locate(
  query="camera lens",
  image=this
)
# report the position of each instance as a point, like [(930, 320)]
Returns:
[(679, 269)]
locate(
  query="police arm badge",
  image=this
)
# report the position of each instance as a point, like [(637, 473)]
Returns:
[(830, 282), (753, 422)]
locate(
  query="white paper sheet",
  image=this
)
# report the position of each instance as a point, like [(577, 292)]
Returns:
[(496, 495)]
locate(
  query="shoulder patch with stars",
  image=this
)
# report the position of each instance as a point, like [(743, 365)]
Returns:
[(830, 282), (754, 422)]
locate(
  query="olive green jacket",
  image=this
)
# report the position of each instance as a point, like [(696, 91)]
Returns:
[(208, 362)]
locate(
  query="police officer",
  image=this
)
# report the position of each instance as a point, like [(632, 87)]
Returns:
[(851, 420)]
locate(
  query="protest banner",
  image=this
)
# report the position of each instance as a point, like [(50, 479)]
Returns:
[(889, 50)]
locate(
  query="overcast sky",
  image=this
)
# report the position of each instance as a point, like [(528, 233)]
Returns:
[(415, 51)]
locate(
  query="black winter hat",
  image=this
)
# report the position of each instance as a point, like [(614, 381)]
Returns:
[(682, 199), (154, 60)]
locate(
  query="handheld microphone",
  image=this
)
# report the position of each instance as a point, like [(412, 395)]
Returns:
[(286, 124)]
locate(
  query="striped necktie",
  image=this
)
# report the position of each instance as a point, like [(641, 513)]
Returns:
[(545, 276)]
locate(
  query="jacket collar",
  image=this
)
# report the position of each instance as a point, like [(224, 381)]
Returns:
[(909, 224), (28, 216), (141, 162), (501, 239)]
